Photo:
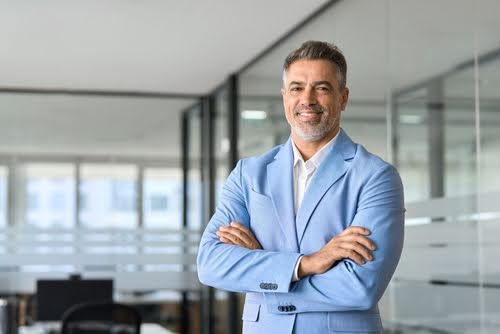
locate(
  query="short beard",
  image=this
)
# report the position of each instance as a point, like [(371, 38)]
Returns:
[(320, 130)]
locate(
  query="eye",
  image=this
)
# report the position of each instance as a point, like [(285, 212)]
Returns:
[(322, 88), (295, 89)]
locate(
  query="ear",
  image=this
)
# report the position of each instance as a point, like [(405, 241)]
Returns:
[(345, 98)]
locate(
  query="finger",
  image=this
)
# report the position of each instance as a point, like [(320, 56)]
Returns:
[(356, 229), (227, 241), (361, 239), (233, 238), (358, 248), (243, 230), (236, 224), (241, 227), (243, 234), (246, 235), (350, 254)]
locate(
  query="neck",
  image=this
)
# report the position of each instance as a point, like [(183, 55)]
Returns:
[(309, 148)]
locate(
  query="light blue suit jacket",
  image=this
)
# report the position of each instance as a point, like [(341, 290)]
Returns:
[(352, 187)]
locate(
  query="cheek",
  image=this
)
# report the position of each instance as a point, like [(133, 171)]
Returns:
[(334, 106), (288, 116), (289, 110)]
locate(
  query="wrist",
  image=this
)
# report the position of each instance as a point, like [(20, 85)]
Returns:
[(306, 266)]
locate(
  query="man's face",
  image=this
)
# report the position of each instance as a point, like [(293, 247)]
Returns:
[(313, 100)]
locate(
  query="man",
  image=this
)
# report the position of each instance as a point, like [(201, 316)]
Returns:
[(312, 230)]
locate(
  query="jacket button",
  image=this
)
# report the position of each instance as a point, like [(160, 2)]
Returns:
[(281, 308), (275, 287), (292, 308), (287, 308)]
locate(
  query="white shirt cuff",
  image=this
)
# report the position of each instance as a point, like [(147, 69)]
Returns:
[(295, 277)]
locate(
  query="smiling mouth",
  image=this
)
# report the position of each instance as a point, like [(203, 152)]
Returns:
[(308, 110), (312, 112), (309, 113)]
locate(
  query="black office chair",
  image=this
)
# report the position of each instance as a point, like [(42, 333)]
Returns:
[(101, 318)]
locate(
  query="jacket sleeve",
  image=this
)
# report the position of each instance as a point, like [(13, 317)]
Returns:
[(348, 286), (235, 268)]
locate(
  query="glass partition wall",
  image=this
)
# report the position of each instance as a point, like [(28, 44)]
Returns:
[(192, 206), (95, 181), (220, 310), (424, 95), (487, 121)]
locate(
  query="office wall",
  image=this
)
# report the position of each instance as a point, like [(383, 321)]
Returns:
[(91, 179), (47, 142)]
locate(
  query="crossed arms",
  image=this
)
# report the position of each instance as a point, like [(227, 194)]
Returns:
[(348, 273), (352, 244)]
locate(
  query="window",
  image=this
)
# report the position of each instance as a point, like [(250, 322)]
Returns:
[(49, 188), (33, 201), (123, 197), (162, 197), (57, 201), (158, 203), (108, 195)]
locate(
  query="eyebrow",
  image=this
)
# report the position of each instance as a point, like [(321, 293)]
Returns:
[(324, 82), (315, 83)]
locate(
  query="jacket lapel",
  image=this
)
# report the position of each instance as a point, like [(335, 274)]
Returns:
[(330, 171), (280, 181)]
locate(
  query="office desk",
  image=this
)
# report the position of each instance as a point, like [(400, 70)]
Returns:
[(146, 328)]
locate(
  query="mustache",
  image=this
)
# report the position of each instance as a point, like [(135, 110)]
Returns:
[(315, 108)]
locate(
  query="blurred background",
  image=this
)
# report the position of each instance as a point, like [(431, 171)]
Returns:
[(120, 120)]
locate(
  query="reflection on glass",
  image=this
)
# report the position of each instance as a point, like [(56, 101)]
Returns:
[(194, 199), (162, 198), (413, 155), (194, 189), (436, 283), (460, 134), (221, 140), (49, 194), (365, 123), (490, 124), (221, 152), (489, 183), (258, 133), (3, 195), (109, 196)]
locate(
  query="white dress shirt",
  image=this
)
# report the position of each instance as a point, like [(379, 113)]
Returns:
[(303, 172)]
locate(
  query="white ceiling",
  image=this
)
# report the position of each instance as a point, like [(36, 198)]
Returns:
[(393, 44), (192, 46), (187, 46), (105, 127)]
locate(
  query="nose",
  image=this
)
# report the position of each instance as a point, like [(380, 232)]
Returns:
[(308, 97)]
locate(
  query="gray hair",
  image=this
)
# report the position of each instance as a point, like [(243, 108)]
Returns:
[(315, 50)]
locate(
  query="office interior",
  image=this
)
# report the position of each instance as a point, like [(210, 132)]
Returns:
[(113, 183)]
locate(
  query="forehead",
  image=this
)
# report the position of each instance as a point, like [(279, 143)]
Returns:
[(312, 70)]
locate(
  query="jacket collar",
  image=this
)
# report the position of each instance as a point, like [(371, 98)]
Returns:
[(280, 181)]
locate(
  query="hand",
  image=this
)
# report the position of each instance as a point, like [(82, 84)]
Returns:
[(237, 234), (352, 244)]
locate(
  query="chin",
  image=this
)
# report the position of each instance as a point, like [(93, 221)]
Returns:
[(309, 137)]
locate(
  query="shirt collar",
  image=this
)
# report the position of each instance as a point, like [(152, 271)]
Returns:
[(318, 157)]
